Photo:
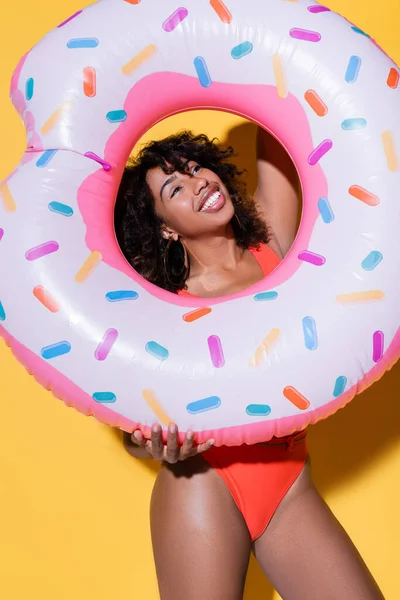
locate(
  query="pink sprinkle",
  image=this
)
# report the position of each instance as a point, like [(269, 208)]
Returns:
[(318, 9), (106, 166), (378, 345), (108, 341), (305, 35), (216, 352), (42, 250), (1, 233), (70, 18), (319, 152), (311, 257), (175, 19)]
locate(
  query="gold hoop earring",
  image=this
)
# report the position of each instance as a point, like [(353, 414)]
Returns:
[(184, 273)]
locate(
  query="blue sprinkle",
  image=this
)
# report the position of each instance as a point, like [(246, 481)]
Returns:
[(258, 410), (203, 405), (116, 116), (310, 333), (2, 313), (372, 260), (325, 210), (29, 88), (241, 50), (266, 296), (202, 71), (61, 209), (353, 69), (121, 295), (104, 397), (157, 351), (340, 386), (55, 350), (45, 158), (351, 124), (360, 31), (83, 43)]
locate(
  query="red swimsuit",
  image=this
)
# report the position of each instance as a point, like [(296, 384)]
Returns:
[(259, 476)]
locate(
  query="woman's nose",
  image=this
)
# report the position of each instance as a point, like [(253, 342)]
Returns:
[(199, 184)]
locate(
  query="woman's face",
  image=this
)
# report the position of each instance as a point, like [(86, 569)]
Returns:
[(190, 204)]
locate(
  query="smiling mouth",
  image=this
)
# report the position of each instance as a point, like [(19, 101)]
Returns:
[(210, 201)]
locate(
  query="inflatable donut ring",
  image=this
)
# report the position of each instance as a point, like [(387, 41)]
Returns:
[(274, 358)]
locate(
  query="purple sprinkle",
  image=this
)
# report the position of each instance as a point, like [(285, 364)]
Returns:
[(175, 19), (318, 9), (311, 257), (319, 152), (69, 18), (41, 250), (216, 351), (378, 345), (106, 344), (1, 233), (106, 166), (305, 34)]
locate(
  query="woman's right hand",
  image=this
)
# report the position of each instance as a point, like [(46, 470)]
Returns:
[(171, 452)]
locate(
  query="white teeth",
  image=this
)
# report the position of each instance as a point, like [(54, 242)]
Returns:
[(211, 201)]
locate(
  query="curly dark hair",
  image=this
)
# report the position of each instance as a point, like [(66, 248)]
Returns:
[(138, 227)]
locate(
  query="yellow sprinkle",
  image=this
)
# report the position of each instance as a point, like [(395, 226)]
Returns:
[(51, 122), (279, 76), (264, 347), (390, 152), (139, 59), (156, 407), (360, 297), (88, 266), (9, 202)]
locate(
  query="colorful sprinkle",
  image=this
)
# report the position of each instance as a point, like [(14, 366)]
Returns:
[(390, 151), (319, 152), (296, 398), (58, 349), (312, 258), (116, 116), (175, 19), (202, 71), (46, 158), (56, 116), (139, 59), (46, 299), (325, 210), (1, 233), (29, 88), (104, 397), (310, 333), (264, 347), (241, 50), (355, 297), (305, 35), (106, 166), (121, 295), (353, 69), (258, 410), (393, 78), (157, 351), (361, 194), (263, 296), (69, 19), (88, 266), (378, 346), (340, 386), (83, 43), (318, 105), (318, 9), (221, 11), (105, 346), (2, 313), (351, 124), (194, 315), (41, 250), (203, 405), (61, 209), (8, 199), (360, 31), (371, 261), (154, 404), (133, 1), (279, 75), (89, 82), (216, 351)]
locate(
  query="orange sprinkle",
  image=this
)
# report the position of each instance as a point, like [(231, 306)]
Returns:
[(8, 200), (154, 404), (318, 106), (55, 117), (139, 59), (88, 266), (264, 347), (393, 78), (221, 10), (279, 76), (46, 299), (363, 195), (133, 1), (360, 297), (296, 398), (89, 82), (196, 314), (390, 152)]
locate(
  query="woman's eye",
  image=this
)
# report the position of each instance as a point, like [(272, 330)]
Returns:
[(175, 191), (196, 168)]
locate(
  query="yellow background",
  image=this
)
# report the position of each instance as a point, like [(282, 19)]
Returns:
[(74, 505)]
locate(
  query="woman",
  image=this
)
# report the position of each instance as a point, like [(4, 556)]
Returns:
[(189, 226)]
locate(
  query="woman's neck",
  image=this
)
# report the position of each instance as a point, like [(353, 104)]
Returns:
[(213, 254)]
